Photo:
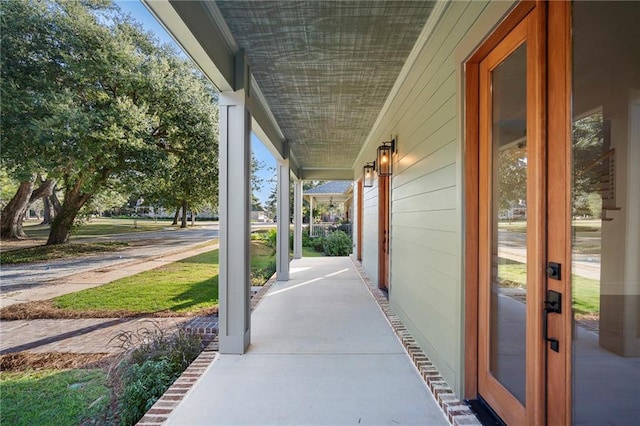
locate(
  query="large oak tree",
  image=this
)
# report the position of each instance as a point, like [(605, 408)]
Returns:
[(91, 100)]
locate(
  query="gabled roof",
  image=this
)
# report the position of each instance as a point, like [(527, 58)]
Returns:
[(329, 188)]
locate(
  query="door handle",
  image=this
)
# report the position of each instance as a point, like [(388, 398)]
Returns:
[(552, 305)]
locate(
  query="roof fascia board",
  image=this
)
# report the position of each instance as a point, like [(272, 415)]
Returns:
[(369, 146), (216, 60)]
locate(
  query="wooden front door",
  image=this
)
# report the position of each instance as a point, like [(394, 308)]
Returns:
[(552, 110), (511, 218)]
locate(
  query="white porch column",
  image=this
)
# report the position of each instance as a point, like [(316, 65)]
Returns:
[(282, 246), (235, 221), (311, 233), (297, 220)]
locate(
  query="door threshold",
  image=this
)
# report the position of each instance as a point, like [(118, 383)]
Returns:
[(483, 412)]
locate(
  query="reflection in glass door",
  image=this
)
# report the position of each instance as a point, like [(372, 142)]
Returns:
[(509, 223), (605, 282), (506, 117)]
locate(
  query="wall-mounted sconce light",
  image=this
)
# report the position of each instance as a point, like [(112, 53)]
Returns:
[(367, 173), (384, 160)]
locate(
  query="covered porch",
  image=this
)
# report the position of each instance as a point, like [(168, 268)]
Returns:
[(322, 352)]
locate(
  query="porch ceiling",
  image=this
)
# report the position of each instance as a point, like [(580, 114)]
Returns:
[(325, 68)]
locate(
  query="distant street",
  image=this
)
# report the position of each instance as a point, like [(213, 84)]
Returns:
[(512, 246), (13, 277)]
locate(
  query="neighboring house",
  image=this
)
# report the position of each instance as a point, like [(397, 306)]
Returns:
[(258, 214), (337, 198), (487, 102)]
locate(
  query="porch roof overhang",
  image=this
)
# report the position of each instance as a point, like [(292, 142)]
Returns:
[(334, 191), (321, 71)]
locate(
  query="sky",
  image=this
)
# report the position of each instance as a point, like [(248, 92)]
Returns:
[(140, 13)]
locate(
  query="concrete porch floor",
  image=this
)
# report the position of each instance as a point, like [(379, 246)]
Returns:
[(322, 352)]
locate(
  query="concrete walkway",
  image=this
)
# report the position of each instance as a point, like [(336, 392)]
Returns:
[(322, 352)]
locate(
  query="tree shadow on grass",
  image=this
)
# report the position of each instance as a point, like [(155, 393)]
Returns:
[(199, 293)]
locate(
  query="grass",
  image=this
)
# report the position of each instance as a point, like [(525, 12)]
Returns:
[(263, 263), (99, 226), (586, 296), (311, 252), (186, 286), (60, 251), (61, 397), (586, 291)]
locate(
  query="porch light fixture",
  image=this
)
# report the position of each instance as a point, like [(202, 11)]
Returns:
[(367, 172), (384, 160)]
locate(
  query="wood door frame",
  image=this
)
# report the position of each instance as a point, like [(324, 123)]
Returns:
[(383, 231), (559, 139), (536, 55), (360, 220)]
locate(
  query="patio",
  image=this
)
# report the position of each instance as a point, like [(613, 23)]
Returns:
[(322, 352)]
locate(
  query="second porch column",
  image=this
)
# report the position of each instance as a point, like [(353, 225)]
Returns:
[(282, 246), (235, 224), (297, 220)]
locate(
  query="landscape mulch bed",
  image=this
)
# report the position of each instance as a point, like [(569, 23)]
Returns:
[(21, 361), (44, 309)]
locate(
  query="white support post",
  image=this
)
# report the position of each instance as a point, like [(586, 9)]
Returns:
[(311, 233), (282, 246), (297, 220), (235, 221)]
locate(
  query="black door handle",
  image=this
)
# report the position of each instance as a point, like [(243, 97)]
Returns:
[(553, 305)]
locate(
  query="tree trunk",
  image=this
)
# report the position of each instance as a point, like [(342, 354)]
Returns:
[(49, 212), (43, 191), (57, 207), (185, 206), (13, 212), (175, 216), (193, 218), (61, 226)]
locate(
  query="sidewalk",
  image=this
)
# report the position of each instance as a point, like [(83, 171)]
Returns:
[(92, 335), (322, 352), (97, 275)]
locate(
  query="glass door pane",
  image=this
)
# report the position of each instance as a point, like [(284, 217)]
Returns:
[(606, 213), (509, 223)]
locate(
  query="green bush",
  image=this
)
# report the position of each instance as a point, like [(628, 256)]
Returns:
[(306, 238), (337, 243), (272, 238), (152, 363), (143, 386), (317, 244)]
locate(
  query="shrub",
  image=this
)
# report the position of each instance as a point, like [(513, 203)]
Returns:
[(272, 238), (337, 243), (318, 244), (153, 361), (306, 238)]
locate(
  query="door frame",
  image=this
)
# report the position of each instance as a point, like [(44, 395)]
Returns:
[(559, 205), (359, 220), (552, 76), (384, 184)]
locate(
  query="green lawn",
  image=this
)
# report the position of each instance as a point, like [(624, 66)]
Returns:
[(586, 292), (310, 252), (60, 397), (60, 251), (185, 286), (99, 226)]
